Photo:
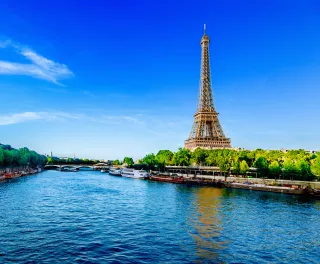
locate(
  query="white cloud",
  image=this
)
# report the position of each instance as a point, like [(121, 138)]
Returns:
[(40, 68), (52, 115), (32, 116), (18, 118)]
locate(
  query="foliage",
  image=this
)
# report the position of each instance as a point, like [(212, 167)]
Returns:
[(244, 167), (116, 162), (1, 156), (182, 157), (289, 169), (294, 164), (211, 160), (150, 160), (128, 161), (274, 168), (164, 157), (315, 167), (199, 156), (20, 157), (236, 168), (303, 170), (261, 164)]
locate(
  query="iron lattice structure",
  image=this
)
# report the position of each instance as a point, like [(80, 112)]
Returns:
[(206, 131)]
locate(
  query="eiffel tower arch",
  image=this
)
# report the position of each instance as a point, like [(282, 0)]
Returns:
[(206, 130)]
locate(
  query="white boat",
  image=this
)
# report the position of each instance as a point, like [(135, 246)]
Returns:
[(115, 171), (136, 174)]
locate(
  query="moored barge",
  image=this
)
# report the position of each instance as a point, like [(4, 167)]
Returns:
[(267, 188), (167, 178), (184, 180)]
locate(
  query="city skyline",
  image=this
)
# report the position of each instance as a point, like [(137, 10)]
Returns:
[(126, 82)]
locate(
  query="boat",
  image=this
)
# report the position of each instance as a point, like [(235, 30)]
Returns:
[(315, 193), (167, 178), (103, 171), (16, 175), (115, 172), (135, 174), (8, 175)]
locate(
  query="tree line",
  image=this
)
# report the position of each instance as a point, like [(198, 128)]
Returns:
[(292, 164), (23, 157), (76, 161)]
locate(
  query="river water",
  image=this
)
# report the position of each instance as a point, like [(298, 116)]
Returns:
[(90, 217)]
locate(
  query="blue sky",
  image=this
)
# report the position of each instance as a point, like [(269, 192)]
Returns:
[(108, 79)]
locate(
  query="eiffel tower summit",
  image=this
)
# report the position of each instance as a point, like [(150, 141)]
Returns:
[(206, 131)]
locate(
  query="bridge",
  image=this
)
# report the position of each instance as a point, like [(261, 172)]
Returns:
[(97, 166)]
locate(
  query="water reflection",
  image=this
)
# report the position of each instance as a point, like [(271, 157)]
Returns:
[(206, 224)]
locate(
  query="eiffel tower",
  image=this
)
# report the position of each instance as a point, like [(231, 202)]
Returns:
[(206, 131)]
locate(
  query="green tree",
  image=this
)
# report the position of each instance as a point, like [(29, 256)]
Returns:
[(16, 156), (150, 160), (1, 156), (244, 167), (261, 164), (236, 168), (116, 162), (50, 160), (128, 161), (211, 160), (315, 167), (224, 165), (303, 170), (34, 158), (199, 156), (274, 169), (246, 155), (182, 157), (8, 157), (164, 157), (289, 169)]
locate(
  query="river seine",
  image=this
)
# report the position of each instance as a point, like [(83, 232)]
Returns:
[(90, 217)]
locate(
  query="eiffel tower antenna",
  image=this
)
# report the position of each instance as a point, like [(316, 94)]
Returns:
[(206, 131)]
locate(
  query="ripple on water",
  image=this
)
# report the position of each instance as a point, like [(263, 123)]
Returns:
[(90, 217)]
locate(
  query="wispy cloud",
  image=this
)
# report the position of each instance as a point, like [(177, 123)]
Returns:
[(40, 67), (15, 118), (18, 118), (32, 116), (4, 43), (121, 119), (49, 115)]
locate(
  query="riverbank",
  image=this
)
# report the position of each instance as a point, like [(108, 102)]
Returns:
[(12, 173), (257, 184), (272, 182)]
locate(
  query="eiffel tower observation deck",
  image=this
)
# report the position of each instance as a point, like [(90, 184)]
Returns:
[(206, 131)]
